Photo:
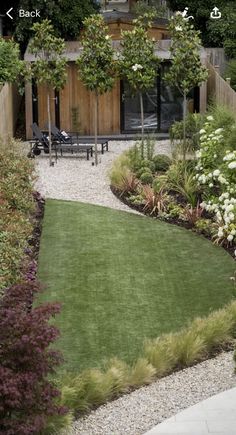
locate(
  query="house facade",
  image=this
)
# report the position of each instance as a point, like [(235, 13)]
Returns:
[(119, 112)]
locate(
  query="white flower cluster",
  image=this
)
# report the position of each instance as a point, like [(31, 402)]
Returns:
[(219, 182), (136, 67)]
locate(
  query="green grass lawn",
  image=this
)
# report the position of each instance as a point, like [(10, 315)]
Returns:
[(122, 277)]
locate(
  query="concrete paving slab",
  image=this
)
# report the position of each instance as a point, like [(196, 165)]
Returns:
[(213, 416)]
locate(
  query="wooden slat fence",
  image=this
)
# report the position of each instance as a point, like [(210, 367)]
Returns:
[(9, 107), (219, 90)]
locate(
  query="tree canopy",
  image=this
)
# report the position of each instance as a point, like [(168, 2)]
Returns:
[(11, 66), (214, 33), (66, 17)]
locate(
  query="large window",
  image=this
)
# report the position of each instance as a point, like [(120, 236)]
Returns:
[(163, 105)]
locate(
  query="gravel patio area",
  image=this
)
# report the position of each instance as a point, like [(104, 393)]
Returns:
[(76, 179), (138, 412)]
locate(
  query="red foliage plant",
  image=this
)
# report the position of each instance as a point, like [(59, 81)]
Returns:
[(27, 397)]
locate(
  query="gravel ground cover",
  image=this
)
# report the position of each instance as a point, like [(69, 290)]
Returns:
[(74, 178), (138, 412)]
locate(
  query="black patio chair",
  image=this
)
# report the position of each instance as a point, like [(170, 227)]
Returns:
[(66, 143), (70, 137), (40, 142)]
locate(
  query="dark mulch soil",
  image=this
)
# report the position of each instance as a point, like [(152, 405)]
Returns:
[(29, 268), (175, 221)]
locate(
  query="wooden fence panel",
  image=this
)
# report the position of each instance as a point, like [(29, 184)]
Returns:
[(219, 90), (9, 107)]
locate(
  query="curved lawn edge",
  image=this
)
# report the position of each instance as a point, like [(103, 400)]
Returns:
[(203, 339), (180, 223), (122, 278)]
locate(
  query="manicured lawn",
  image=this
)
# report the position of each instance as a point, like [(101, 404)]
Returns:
[(122, 277)]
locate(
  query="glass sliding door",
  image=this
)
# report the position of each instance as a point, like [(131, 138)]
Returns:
[(130, 114), (171, 102), (163, 105)]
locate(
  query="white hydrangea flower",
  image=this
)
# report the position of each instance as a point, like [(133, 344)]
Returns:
[(210, 118), (232, 165), (136, 67), (178, 28), (230, 238), (219, 130), (216, 173)]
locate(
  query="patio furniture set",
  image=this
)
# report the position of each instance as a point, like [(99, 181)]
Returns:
[(62, 142)]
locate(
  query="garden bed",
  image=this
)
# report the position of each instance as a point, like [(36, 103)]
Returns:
[(125, 198)]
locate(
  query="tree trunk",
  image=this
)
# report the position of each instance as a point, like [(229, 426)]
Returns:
[(142, 123), (184, 126), (49, 129), (96, 127)]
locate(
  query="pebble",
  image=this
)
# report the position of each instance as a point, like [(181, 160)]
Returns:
[(76, 179), (139, 411)]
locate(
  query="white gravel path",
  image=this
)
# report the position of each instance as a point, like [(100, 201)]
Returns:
[(74, 178), (138, 412)]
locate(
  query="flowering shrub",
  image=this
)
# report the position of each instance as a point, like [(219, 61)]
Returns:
[(216, 174)]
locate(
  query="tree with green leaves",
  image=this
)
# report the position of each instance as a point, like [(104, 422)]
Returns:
[(138, 63), (49, 67), (186, 70), (11, 67), (214, 33), (67, 17), (96, 65)]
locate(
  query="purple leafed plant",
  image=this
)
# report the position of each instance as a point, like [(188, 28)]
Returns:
[(27, 397)]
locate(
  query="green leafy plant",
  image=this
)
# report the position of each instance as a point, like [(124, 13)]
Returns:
[(161, 162), (230, 72), (146, 178), (96, 64), (11, 67), (193, 124), (49, 67), (137, 64), (181, 179), (186, 70)]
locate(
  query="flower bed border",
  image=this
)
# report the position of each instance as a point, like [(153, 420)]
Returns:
[(124, 198)]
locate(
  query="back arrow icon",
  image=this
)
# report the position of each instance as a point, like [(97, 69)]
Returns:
[(8, 13)]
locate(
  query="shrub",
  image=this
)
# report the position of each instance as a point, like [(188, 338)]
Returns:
[(216, 175), (142, 170), (161, 162), (16, 208), (231, 73), (27, 397), (193, 125), (204, 226), (146, 178), (222, 117), (175, 210)]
